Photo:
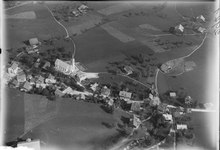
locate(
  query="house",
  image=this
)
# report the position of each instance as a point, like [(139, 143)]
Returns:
[(13, 70), (35, 144), (128, 69), (82, 8), (179, 28), (40, 80), (29, 77), (75, 13), (181, 126), (33, 41), (64, 67), (59, 93), (6, 77), (80, 66), (168, 117), (94, 86), (201, 30), (125, 95), (136, 106), (105, 91), (68, 90), (21, 77), (15, 83), (155, 101), (173, 94), (27, 86), (110, 102), (162, 108), (136, 121), (32, 81), (151, 96), (200, 18), (50, 79), (82, 96), (188, 100), (46, 65)]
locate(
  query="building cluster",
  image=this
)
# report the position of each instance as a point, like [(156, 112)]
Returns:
[(196, 25), (82, 9)]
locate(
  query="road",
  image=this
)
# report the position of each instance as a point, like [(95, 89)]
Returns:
[(67, 33), (24, 3)]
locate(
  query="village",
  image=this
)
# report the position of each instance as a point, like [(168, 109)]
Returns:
[(67, 79), (154, 119)]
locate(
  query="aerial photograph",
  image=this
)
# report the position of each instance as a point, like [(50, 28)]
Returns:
[(110, 75)]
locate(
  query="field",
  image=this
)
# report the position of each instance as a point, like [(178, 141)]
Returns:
[(43, 27), (77, 124), (15, 115)]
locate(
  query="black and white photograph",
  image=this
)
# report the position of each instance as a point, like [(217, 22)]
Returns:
[(109, 75)]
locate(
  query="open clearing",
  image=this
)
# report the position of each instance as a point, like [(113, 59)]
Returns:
[(23, 15)]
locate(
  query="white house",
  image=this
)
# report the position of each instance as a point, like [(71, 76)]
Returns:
[(181, 126), (179, 28), (200, 18)]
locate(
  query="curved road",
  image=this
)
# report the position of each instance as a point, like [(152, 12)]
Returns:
[(67, 33)]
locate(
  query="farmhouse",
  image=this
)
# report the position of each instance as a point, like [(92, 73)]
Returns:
[(125, 95), (179, 28), (6, 77), (200, 18), (155, 101), (110, 102)]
